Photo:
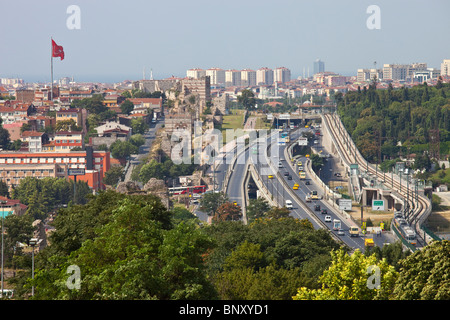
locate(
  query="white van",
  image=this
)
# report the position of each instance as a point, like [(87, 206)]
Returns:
[(289, 204), (280, 165)]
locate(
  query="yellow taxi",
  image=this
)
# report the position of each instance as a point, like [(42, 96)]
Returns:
[(295, 187)]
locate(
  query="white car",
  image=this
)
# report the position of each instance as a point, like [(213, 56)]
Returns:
[(327, 218), (341, 232), (289, 204)]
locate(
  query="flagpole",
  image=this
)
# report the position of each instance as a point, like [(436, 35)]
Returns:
[(51, 59)]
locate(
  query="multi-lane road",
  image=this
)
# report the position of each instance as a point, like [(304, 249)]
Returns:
[(280, 186)]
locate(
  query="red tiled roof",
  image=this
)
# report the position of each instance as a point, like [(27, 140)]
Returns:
[(32, 134)]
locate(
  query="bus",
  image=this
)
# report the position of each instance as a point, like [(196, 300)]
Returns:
[(284, 134), (187, 190), (302, 175)]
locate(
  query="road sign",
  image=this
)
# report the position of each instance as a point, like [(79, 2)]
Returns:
[(76, 172), (345, 204), (378, 205), (302, 141)]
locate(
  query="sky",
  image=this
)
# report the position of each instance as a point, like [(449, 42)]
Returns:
[(117, 40)]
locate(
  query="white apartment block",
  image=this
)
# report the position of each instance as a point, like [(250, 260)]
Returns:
[(216, 75), (368, 74), (232, 78), (264, 76), (445, 67), (195, 73), (282, 75), (402, 71), (248, 78)]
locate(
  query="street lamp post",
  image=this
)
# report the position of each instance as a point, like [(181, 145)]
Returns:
[(33, 242)]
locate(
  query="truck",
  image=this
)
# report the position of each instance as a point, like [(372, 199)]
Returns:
[(368, 242), (336, 224)]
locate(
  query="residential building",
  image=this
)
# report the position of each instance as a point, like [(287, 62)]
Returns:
[(319, 66), (70, 95), (415, 67), (364, 75), (264, 76), (248, 78), (395, 71), (445, 68), (281, 75), (64, 141), (217, 76), (16, 111), (35, 140), (111, 128), (232, 78), (12, 206), (18, 165), (195, 73), (73, 113)]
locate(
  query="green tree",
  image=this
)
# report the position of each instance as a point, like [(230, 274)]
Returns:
[(139, 126), (348, 278), (228, 212), (212, 201), (257, 208), (113, 175), (316, 161), (122, 149), (4, 190), (17, 229), (135, 254), (66, 125), (247, 99), (4, 137), (277, 213), (425, 274), (127, 106)]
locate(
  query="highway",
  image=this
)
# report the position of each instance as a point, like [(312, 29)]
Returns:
[(304, 189), (421, 209)]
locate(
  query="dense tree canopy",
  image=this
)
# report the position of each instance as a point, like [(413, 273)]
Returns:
[(382, 117)]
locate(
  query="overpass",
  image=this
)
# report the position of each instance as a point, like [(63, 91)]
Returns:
[(411, 194)]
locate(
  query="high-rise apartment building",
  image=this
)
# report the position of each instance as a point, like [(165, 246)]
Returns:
[(445, 68), (369, 74), (232, 78), (395, 71), (282, 75), (264, 76), (319, 66), (248, 78), (217, 76), (195, 73)]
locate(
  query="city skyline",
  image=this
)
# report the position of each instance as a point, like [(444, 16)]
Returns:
[(111, 46)]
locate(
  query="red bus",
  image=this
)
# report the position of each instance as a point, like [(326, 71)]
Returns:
[(187, 190)]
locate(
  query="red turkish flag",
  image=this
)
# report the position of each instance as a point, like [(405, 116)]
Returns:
[(57, 51)]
